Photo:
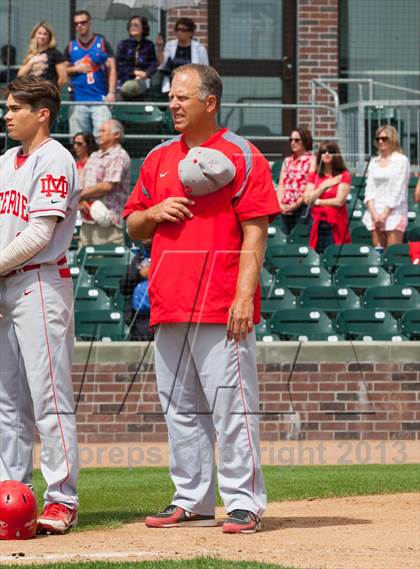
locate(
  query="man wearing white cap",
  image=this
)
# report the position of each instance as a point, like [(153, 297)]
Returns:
[(206, 197)]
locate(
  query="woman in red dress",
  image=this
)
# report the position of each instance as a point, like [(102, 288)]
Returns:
[(327, 190)]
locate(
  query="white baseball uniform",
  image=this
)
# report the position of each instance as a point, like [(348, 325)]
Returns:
[(37, 328)]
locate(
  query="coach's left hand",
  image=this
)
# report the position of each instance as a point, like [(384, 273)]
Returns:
[(241, 318)]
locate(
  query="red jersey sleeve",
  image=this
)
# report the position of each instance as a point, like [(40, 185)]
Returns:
[(253, 189), (141, 197), (346, 177)]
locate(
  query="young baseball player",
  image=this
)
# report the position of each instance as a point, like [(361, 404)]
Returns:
[(38, 205)]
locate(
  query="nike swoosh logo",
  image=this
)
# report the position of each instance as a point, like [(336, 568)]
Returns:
[(163, 174), (55, 201), (27, 292)]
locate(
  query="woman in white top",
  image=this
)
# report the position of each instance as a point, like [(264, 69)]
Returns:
[(180, 51), (386, 190)]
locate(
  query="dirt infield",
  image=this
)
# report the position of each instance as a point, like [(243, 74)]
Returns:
[(368, 532)]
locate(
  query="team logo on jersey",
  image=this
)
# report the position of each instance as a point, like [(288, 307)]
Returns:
[(51, 185)]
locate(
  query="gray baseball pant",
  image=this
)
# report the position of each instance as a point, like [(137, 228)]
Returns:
[(208, 389), (36, 348)]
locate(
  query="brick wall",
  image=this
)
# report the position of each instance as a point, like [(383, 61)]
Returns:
[(199, 15), (317, 55), (318, 401)]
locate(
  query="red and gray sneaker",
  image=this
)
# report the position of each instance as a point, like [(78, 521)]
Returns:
[(174, 516), (57, 518), (242, 521)]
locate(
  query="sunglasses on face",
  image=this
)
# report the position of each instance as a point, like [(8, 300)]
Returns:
[(382, 138), (182, 30), (326, 151), (81, 23), (77, 143), (295, 139)]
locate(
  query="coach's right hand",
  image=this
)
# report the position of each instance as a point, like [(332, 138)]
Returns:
[(171, 209)]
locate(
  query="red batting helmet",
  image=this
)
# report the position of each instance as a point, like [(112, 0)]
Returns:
[(18, 511)]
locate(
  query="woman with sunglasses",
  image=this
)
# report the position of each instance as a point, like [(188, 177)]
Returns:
[(180, 51), (84, 144), (386, 191), (293, 177), (327, 191)]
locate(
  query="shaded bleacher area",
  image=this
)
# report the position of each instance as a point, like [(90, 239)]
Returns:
[(349, 292)]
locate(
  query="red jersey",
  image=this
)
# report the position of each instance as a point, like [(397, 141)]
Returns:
[(195, 263), (337, 217)]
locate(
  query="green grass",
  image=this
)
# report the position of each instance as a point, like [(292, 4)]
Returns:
[(198, 563), (112, 496)]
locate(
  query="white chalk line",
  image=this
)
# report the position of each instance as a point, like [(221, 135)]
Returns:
[(80, 555), (94, 556)]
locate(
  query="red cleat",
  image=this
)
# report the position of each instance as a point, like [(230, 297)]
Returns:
[(57, 518), (242, 521), (174, 516)]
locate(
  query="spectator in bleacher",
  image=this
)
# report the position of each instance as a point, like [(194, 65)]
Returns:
[(180, 51), (8, 59), (387, 190), (134, 286), (42, 58), (84, 143), (293, 177), (327, 191), (105, 188), (136, 59), (91, 66)]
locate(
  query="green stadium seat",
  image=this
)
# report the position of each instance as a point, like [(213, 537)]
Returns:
[(361, 277), (302, 325), (413, 217), (279, 299), (277, 257), (140, 118), (275, 236), (100, 324), (395, 256), (354, 205), (71, 257), (298, 277), (408, 275), (81, 278), (410, 324), (412, 182), (92, 257), (329, 299), (263, 332), (358, 184), (395, 299), (108, 277), (367, 324), (413, 233), (135, 170), (120, 301), (146, 119), (338, 255), (300, 234), (275, 171), (89, 298), (266, 282), (360, 235)]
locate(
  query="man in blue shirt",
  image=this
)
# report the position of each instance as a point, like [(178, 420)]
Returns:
[(91, 66)]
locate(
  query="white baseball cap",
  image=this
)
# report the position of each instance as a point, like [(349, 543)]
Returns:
[(205, 170)]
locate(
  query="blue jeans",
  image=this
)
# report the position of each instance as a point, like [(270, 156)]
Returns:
[(88, 118)]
